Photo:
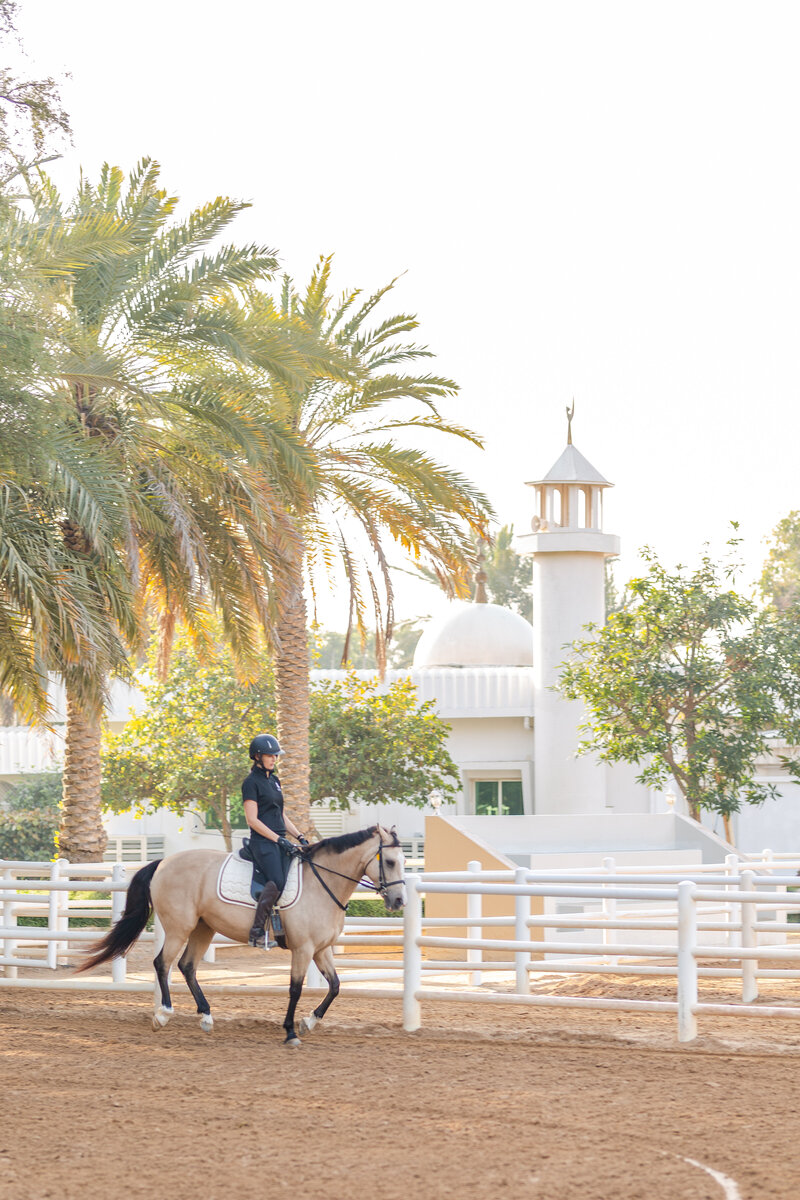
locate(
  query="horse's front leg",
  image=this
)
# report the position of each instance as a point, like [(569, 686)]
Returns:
[(325, 962), (301, 957)]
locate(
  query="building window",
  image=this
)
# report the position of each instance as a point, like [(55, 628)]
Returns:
[(498, 798)]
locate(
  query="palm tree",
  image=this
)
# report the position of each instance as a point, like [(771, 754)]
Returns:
[(51, 610), (143, 356), (368, 490)]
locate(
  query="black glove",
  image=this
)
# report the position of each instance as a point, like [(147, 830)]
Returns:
[(287, 847), (303, 841)]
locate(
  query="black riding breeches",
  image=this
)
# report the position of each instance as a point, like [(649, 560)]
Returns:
[(270, 860)]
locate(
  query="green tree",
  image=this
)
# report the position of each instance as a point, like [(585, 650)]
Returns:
[(371, 486), (328, 647), (508, 574), (145, 349), (689, 681), (29, 816), (31, 115), (53, 610), (780, 578), (188, 749), (374, 745)]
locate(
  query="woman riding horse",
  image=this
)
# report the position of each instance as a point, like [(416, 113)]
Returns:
[(271, 849)]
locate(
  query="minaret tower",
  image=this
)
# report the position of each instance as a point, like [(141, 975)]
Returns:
[(569, 552)]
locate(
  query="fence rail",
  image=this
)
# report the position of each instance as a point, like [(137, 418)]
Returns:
[(724, 913)]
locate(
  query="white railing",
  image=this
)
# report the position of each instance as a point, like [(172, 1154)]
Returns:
[(48, 890), (682, 898), (722, 913)]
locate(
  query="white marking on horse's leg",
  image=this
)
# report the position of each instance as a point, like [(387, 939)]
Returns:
[(161, 1016), (206, 1022), (729, 1186), (308, 1023)]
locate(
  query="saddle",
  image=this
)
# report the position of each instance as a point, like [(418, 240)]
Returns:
[(240, 882), (259, 878)]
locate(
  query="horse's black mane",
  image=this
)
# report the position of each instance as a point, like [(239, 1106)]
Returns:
[(346, 841)]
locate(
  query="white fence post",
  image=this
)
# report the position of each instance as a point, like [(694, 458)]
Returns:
[(687, 963), (412, 955), (522, 910), (610, 911), (749, 940), (731, 868), (9, 919), (474, 913), (119, 964), (52, 915), (314, 977), (62, 918)]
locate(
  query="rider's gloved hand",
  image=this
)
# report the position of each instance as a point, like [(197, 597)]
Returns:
[(287, 847), (303, 841)]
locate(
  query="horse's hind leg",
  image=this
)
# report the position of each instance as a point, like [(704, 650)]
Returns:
[(301, 957), (174, 942), (325, 962), (198, 944)]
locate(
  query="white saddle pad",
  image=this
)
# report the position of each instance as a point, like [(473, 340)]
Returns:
[(235, 877)]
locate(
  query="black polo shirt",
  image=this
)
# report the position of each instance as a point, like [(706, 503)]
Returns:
[(265, 788)]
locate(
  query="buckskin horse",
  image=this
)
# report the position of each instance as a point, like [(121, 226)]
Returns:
[(182, 891)]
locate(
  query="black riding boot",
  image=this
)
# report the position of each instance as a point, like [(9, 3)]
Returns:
[(258, 936)]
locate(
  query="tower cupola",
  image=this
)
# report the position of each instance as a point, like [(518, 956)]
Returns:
[(569, 505)]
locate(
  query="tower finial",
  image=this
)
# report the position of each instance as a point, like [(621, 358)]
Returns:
[(570, 415)]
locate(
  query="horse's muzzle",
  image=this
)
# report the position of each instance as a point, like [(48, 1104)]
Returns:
[(395, 898)]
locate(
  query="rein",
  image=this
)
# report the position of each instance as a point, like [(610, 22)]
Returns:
[(381, 886)]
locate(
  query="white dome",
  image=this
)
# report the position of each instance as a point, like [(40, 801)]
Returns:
[(476, 635)]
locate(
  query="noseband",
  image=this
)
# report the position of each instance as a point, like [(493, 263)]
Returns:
[(381, 887)]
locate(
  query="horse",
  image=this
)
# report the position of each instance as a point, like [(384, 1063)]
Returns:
[(182, 891)]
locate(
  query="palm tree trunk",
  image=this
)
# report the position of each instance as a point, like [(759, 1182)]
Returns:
[(81, 837), (292, 663)]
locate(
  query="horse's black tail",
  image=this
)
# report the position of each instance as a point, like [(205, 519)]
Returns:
[(124, 933)]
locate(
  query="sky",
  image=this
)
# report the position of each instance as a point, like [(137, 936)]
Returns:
[(598, 201)]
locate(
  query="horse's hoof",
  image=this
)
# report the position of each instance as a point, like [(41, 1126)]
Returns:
[(307, 1024), (161, 1017), (294, 1042), (206, 1022)]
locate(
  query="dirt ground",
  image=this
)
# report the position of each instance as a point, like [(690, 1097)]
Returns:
[(490, 1101)]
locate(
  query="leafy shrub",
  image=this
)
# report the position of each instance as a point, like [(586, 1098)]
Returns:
[(34, 792), (366, 906), (29, 834)]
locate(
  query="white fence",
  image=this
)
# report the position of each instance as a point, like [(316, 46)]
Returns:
[(727, 914)]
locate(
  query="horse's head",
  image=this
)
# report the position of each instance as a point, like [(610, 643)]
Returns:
[(386, 868)]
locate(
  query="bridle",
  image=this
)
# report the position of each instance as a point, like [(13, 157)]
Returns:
[(382, 886)]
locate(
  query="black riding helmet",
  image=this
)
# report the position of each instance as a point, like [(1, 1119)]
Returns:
[(264, 743)]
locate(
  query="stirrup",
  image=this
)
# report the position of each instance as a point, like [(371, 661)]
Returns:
[(257, 938)]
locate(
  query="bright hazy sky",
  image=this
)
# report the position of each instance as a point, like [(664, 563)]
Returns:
[(598, 200)]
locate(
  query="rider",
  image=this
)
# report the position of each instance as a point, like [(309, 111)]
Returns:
[(271, 849)]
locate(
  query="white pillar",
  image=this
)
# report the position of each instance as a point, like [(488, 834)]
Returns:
[(687, 963), (568, 593), (749, 941), (474, 913), (522, 911), (412, 955), (118, 964), (9, 947)]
